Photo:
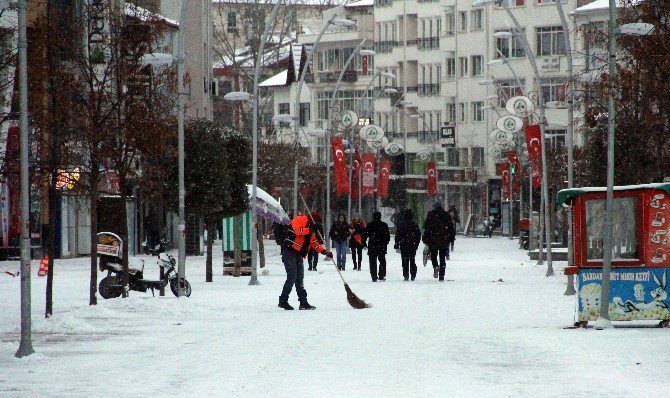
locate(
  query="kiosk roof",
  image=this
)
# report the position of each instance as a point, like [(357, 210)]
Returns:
[(566, 195)]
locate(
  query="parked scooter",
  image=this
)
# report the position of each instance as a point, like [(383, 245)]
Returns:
[(109, 254)]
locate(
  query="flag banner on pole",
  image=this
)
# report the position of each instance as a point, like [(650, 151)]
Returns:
[(355, 176), (340, 167), (364, 64), (513, 158), (504, 172), (431, 168), (12, 169), (536, 173), (383, 180), (368, 174), (534, 142)]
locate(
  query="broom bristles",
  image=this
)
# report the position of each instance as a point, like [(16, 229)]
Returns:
[(353, 299)]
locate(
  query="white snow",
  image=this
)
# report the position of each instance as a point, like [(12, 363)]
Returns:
[(472, 336), (277, 80), (598, 5), (360, 3)]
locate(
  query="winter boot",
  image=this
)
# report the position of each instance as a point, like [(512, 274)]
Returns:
[(285, 305), (305, 306), (435, 272)]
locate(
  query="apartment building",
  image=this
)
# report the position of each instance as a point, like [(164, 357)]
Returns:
[(442, 52)]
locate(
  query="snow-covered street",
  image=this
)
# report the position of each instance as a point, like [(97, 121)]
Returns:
[(494, 329)]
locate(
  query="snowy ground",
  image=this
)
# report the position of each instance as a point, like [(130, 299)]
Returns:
[(472, 336)]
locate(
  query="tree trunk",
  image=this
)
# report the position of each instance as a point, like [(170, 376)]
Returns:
[(261, 248), (210, 240), (50, 246), (124, 238), (93, 287), (238, 245)]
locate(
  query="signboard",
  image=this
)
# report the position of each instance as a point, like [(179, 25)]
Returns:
[(448, 136), (109, 244), (636, 293), (550, 64)]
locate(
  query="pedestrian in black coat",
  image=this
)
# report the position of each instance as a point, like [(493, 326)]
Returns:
[(378, 236), (339, 232), (437, 235), (407, 239), (313, 255)]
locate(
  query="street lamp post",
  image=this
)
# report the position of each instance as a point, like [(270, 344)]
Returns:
[(331, 104), (181, 224), (296, 106), (26, 345)]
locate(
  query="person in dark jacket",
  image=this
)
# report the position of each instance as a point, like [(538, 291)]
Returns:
[(357, 240), (339, 232), (377, 233), (437, 235), (407, 239), (453, 213), (312, 254)]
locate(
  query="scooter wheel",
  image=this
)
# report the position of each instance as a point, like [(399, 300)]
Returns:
[(174, 288), (109, 287)]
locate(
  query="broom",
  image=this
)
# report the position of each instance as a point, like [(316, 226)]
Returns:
[(353, 300)]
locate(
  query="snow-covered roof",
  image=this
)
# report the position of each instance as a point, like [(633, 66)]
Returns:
[(245, 59), (325, 3), (277, 80), (598, 5), (146, 15), (360, 3), (566, 194)]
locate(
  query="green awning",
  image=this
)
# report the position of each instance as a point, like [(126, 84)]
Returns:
[(566, 195)]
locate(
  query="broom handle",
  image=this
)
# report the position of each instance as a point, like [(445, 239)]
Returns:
[(309, 212)]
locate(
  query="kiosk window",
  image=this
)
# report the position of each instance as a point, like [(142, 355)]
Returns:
[(624, 237)]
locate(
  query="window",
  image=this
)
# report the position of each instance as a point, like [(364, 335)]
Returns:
[(509, 47), (452, 157), (284, 108), (508, 89), (450, 24), (476, 20), (477, 65), (550, 41), (464, 66), (462, 112), (451, 68), (463, 21), (556, 138), (515, 3), (451, 113), (624, 213), (304, 113), (553, 89), (477, 156), (232, 22), (477, 111)]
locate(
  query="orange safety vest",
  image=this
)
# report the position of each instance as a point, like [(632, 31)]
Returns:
[(304, 237)]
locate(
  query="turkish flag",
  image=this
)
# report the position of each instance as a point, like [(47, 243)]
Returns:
[(368, 174), (504, 172), (364, 64), (355, 176), (513, 158), (534, 142), (432, 178), (340, 167), (536, 173), (383, 180)]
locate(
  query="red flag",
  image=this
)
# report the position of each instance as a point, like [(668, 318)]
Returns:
[(432, 178), (536, 173), (513, 158), (504, 172), (356, 176), (368, 174), (534, 142), (340, 168), (364, 64), (383, 180), (12, 169)]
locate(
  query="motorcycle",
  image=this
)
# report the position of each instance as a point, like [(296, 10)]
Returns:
[(109, 254)]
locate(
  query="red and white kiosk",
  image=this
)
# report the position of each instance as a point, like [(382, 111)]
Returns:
[(641, 251)]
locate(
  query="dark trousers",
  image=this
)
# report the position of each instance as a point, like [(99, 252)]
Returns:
[(373, 257), (312, 259), (443, 254), (295, 273), (408, 264), (357, 255)]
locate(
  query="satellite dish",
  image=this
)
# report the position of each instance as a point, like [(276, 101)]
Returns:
[(371, 132), (394, 149), (520, 106), (509, 124)]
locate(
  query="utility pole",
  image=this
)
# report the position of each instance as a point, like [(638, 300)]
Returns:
[(181, 224), (26, 345)]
